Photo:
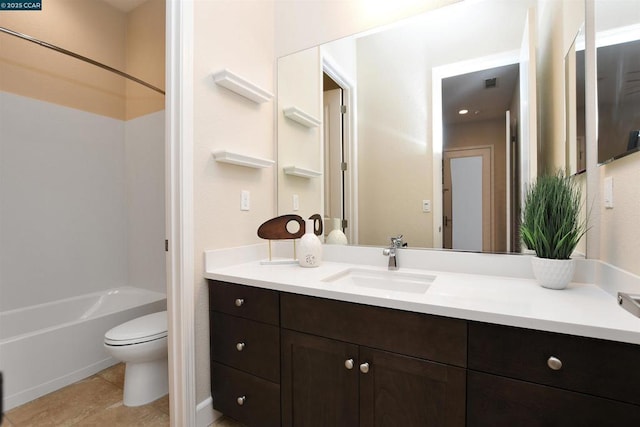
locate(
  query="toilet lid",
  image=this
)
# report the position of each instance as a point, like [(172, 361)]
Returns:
[(146, 328)]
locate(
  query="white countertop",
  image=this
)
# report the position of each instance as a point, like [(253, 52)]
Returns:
[(582, 309)]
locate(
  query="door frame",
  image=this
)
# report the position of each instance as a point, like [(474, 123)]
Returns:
[(179, 209), (488, 233), (437, 75), (350, 149)]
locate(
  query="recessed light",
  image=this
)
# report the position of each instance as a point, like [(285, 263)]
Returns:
[(463, 111)]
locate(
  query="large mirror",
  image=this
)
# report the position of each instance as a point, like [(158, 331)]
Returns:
[(618, 82), (372, 129)]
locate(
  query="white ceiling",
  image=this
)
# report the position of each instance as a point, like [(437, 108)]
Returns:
[(125, 5)]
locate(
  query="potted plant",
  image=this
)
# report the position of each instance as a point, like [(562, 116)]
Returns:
[(552, 227)]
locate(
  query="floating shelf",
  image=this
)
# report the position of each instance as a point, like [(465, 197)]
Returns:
[(224, 156), (297, 115), (301, 172), (241, 86)]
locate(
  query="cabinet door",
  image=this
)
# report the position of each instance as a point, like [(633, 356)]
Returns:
[(318, 389), (497, 401), (404, 391)]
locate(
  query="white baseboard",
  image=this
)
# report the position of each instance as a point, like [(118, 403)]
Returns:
[(205, 414)]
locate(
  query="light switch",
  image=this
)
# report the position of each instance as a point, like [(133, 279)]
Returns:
[(245, 200), (426, 206), (608, 192)]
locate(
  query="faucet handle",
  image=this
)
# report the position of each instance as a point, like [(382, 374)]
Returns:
[(397, 242)]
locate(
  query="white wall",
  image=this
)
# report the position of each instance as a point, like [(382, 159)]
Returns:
[(144, 170), (82, 201), (64, 214)]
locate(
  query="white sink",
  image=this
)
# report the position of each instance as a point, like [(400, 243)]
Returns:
[(383, 279)]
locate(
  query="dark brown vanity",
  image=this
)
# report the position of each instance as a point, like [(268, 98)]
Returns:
[(279, 358)]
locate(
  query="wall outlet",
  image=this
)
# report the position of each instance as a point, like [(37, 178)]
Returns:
[(245, 200), (426, 206), (296, 202)]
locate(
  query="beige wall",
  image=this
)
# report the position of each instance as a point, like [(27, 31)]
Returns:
[(238, 36), (97, 31), (144, 53), (620, 226)]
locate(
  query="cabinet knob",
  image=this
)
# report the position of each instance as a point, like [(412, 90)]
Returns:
[(239, 302), (348, 363), (364, 368), (240, 346), (241, 400), (554, 363)]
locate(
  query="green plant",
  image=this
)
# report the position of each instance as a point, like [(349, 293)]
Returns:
[(551, 223)]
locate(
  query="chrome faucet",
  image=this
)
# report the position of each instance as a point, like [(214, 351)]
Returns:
[(396, 242)]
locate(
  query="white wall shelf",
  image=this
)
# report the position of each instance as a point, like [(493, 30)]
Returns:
[(241, 86), (301, 172), (305, 119), (225, 156)]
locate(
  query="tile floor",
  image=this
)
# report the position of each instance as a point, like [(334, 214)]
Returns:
[(95, 401)]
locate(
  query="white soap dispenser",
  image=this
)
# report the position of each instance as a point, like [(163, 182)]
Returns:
[(336, 236), (310, 248)]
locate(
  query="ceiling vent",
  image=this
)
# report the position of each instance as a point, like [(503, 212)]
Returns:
[(491, 83)]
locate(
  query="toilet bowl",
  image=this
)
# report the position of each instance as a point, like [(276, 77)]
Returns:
[(142, 345)]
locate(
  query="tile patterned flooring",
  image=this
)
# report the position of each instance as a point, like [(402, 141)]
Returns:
[(93, 402)]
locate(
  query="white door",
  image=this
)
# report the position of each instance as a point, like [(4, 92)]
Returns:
[(467, 196)]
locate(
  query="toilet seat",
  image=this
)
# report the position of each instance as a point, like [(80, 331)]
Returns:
[(137, 331)]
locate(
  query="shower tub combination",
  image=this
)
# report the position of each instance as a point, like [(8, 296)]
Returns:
[(48, 346)]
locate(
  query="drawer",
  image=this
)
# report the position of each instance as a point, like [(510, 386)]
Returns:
[(244, 301), (261, 403), (602, 368), (247, 345), (413, 334), (499, 401)]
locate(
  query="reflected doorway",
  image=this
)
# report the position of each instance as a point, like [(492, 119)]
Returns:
[(467, 196)]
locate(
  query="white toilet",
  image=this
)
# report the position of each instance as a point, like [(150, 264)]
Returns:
[(142, 345)]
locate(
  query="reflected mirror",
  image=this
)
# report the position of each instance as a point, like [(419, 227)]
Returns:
[(618, 62), (574, 66), (369, 125)]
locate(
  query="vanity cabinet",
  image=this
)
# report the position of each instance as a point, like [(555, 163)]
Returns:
[(532, 378), (347, 364), (245, 352), (286, 359)]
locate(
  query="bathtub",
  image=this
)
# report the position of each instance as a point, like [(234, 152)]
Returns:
[(48, 346)]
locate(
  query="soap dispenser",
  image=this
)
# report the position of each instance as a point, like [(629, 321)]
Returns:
[(310, 248)]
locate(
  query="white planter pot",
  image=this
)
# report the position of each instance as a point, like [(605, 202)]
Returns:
[(553, 273)]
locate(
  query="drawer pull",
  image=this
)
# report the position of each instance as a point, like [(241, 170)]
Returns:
[(241, 400), (348, 363), (240, 346), (364, 368), (239, 302), (554, 363)]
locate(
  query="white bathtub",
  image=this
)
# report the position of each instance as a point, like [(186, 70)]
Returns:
[(48, 346)]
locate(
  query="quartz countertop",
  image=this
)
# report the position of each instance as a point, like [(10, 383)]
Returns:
[(582, 309)]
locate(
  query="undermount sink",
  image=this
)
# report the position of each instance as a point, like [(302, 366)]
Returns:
[(383, 280)]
